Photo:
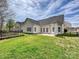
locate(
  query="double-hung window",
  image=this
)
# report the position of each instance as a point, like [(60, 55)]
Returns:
[(35, 29), (29, 29), (46, 29), (59, 29), (53, 29)]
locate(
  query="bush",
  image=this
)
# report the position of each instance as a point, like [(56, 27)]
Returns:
[(68, 34)]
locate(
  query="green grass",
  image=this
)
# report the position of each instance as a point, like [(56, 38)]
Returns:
[(40, 47)]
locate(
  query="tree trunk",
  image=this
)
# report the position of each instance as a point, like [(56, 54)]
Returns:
[(1, 27)]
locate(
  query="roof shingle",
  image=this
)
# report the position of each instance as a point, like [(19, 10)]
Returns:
[(56, 19)]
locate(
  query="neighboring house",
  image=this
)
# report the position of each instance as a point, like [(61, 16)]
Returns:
[(74, 29), (18, 26), (52, 25), (67, 26)]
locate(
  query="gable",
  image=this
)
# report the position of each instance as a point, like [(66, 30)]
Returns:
[(31, 21)]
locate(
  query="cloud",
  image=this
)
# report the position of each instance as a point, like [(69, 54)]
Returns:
[(39, 9)]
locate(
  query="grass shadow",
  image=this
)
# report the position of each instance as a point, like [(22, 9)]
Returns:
[(68, 35), (31, 33)]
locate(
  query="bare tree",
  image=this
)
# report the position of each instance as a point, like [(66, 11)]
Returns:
[(10, 24), (3, 9)]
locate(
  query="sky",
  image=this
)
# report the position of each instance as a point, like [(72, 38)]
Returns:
[(40, 9)]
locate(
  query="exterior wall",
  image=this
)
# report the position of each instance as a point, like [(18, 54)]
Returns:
[(37, 29), (62, 28), (51, 30), (44, 27), (78, 30), (73, 30), (26, 25), (56, 29), (25, 29)]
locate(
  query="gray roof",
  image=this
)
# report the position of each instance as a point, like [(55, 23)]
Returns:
[(56, 19), (19, 23), (32, 21)]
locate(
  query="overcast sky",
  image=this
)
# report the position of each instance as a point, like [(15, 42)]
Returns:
[(39, 9)]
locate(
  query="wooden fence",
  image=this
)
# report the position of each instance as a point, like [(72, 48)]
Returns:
[(9, 35)]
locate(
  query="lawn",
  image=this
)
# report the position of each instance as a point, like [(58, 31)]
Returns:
[(40, 47)]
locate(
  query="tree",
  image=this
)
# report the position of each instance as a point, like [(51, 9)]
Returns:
[(10, 24), (3, 9)]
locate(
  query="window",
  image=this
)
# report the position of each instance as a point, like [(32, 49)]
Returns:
[(43, 29), (46, 29), (29, 29), (59, 29), (35, 29), (53, 29)]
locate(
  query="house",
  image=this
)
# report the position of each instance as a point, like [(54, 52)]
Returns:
[(67, 26), (52, 25), (74, 29)]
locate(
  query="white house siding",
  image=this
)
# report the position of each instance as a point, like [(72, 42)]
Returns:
[(26, 25), (37, 29), (51, 30), (44, 27), (62, 28), (55, 26)]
